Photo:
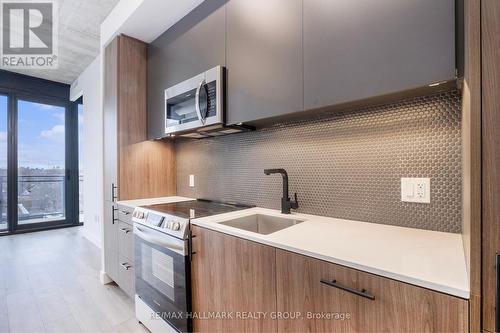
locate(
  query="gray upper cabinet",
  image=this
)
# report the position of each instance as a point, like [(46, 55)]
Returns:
[(264, 58), (356, 49), (286, 56), (192, 46)]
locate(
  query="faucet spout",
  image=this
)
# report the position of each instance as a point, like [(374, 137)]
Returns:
[(286, 203)]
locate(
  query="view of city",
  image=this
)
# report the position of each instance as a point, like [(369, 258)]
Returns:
[(41, 162)]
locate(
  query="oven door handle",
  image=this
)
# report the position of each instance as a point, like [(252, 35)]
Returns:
[(160, 241), (197, 102)]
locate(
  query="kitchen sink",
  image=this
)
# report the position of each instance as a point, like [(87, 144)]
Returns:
[(262, 224)]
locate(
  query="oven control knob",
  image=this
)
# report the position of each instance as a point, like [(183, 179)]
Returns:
[(176, 226)]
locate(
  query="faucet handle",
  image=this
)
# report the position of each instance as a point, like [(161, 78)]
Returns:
[(294, 204)]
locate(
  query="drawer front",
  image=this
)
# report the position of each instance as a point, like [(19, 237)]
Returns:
[(358, 301), (125, 214), (126, 241), (126, 276)]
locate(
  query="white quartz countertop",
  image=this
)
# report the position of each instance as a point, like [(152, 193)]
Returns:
[(429, 259), (152, 201)]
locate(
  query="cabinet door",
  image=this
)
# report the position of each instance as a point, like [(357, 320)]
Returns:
[(355, 49), (400, 307), (264, 58), (126, 276), (110, 121), (300, 291), (193, 45), (396, 307), (232, 275), (126, 241), (110, 240)]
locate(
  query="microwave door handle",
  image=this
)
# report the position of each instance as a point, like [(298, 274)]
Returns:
[(197, 102)]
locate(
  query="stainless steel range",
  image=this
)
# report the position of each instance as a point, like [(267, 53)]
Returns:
[(162, 257)]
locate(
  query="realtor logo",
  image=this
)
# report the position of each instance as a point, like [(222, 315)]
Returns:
[(29, 34)]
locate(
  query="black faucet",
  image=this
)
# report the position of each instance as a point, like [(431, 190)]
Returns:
[(286, 203)]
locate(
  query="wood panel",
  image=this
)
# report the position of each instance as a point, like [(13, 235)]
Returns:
[(132, 62), (232, 275), (471, 154), (145, 168), (398, 307), (490, 42), (300, 291)]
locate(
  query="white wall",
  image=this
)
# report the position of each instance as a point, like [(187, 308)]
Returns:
[(88, 84), (144, 19)]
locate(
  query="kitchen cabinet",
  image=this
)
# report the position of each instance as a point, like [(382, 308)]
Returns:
[(126, 241), (396, 307), (110, 122), (110, 240), (126, 276), (287, 56), (355, 50), (119, 247), (133, 167), (193, 45), (232, 275), (264, 59), (126, 262), (490, 113)]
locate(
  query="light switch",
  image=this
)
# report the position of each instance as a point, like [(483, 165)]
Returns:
[(191, 180), (416, 190)]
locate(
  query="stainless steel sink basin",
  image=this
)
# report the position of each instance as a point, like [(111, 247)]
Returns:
[(262, 224)]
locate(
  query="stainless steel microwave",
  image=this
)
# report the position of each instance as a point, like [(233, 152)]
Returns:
[(196, 102)]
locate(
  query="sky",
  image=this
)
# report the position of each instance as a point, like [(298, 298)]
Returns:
[(40, 134)]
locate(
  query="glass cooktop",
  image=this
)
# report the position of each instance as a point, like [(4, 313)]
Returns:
[(196, 208)]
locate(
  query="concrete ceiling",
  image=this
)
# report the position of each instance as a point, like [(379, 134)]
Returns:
[(79, 44)]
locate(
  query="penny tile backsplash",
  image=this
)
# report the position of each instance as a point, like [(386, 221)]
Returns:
[(346, 165)]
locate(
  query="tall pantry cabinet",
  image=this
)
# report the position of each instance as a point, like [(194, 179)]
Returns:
[(134, 167)]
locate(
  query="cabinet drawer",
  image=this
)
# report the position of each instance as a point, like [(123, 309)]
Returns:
[(125, 214), (126, 241), (126, 276), (358, 301)]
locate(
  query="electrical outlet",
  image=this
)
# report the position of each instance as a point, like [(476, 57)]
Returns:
[(191, 180), (416, 190)]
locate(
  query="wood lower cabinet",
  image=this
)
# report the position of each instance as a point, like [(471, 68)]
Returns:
[(396, 307), (283, 292), (230, 276)]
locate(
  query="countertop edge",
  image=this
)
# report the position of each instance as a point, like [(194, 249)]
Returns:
[(133, 203)]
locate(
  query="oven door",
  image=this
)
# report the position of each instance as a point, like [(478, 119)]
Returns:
[(195, 103), (162, 275)]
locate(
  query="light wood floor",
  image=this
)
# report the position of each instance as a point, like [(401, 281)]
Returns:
[(49, 282)]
